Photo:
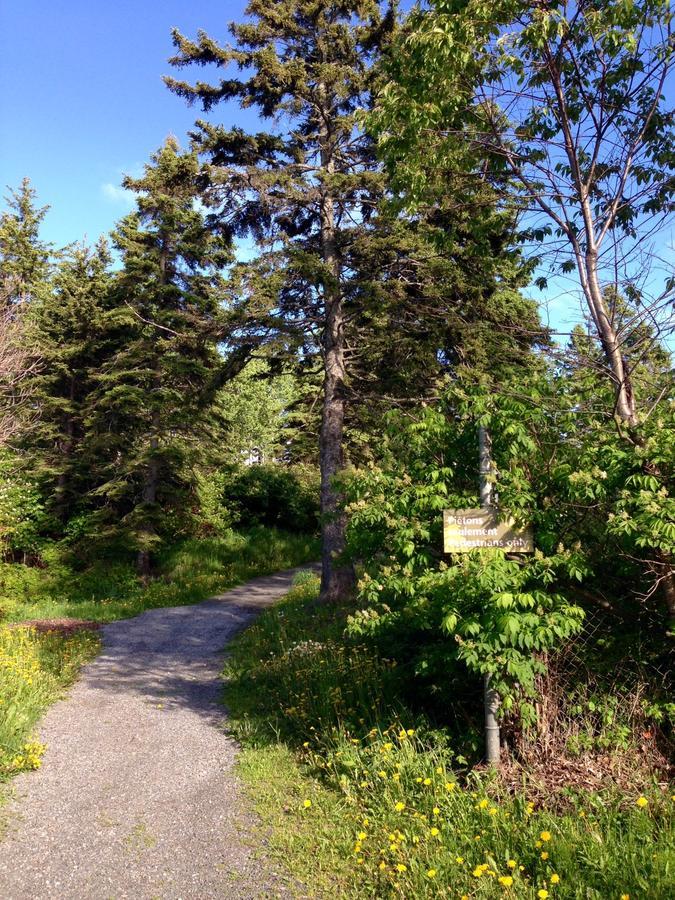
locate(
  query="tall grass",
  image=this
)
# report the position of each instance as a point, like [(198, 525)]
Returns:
[(382, 799)]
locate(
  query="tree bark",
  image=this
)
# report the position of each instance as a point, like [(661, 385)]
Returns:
[(336, 578), (149, 496)]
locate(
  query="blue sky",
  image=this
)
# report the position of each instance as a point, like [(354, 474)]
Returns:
[(83, 101)]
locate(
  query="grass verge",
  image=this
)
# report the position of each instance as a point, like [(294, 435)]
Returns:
[(187, 573), (362, 799), (35, 669)]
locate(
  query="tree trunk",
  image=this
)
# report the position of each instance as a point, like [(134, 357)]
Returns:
[(144, 558), (63, 485), (336, 579)]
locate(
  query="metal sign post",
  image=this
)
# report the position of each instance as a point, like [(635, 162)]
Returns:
[(469, 529)]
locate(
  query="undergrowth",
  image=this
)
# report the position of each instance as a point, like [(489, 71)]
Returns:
[(187, 573), (36, 667), (354, 784), (34, 670)]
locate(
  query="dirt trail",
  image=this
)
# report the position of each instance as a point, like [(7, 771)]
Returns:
[(136, 798)]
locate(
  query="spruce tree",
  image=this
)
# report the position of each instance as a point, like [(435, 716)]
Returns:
[(308, 188), (66, 329), (24, 257), (164, 368)]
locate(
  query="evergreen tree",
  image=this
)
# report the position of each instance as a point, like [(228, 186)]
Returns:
[(311, 187), (165, 368), (389, 304), (67, 332), (24, 257)]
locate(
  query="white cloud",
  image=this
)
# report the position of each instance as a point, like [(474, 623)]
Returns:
[(118, 195)]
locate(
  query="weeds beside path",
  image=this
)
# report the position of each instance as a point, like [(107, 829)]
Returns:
[(363, 798), (136, 796)]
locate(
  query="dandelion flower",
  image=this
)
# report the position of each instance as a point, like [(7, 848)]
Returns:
[(545, 835), (506, 880), (512, 864), (436, 811), (642, 802), (362, 835), (544, 855), (450, 786), (401, 868), (434, 832), (555, 879), (493, 810), (307, 804), (431, 873), (410, 732), (427, 781), (459, 859), (542, 894), (399, 806)]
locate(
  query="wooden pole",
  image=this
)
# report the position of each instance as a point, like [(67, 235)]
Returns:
[(490, 696)]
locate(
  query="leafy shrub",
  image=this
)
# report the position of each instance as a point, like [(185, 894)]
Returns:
[(277, 496), (410, 821)]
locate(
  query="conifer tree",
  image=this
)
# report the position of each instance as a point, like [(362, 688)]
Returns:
[(24, 257), (165, 367), (308, 188), (67, 331)]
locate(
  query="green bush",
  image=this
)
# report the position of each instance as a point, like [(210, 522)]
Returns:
[(277, 496), (377, 795)]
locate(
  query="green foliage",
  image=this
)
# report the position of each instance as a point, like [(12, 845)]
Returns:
[(110, 589), (598, 520), (34, 670), (252, 410), (22, 514), (24, 258), (279, 496), (380, 800)]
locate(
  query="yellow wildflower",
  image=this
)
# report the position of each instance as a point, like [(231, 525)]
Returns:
[(512, 864), (434, 832), (506, 880), (399, 806), (542, 894), (362, 835), (427, 781), (431, 873), (545, 835), (483, 804), (436, 811), (555, 879), (401, 868), (544, 855), (307, 804), (642, 802), (450, 786)]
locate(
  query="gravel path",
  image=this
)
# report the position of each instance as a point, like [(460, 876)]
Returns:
[(136, 798)]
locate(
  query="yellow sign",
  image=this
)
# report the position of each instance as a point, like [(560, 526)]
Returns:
[(471, 529)]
